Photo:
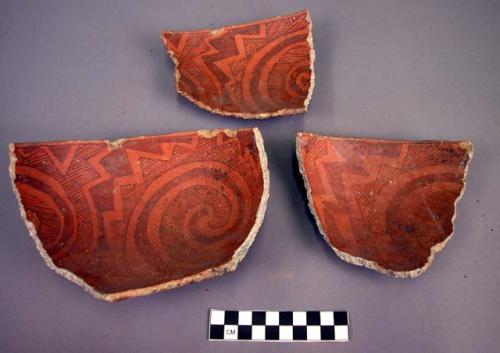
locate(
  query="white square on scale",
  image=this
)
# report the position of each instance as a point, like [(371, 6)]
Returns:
[(341, 333), (231, 332), (272, 318), (258, 332), (217, 317), (299, 318), (313, 333), (245, 317), (286, 333), (326, 318)]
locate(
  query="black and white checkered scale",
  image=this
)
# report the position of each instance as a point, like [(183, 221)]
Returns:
[(253, 325)]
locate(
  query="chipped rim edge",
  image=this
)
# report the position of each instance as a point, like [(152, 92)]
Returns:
[(373, 265), (229, 266), (243, 115), (312, 59)]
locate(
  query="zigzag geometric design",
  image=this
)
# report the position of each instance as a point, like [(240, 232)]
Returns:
[(386, 205), (143, 212), (255, 70)]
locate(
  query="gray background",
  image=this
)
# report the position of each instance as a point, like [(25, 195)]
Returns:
[(390, 69)]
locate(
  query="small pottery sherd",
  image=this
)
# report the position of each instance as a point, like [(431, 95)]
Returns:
[(140, 215), (385, 205), (255, 70)]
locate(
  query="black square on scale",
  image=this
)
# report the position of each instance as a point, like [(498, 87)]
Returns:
[(313, 318), (286, 318), (258, 318), (216, 332), (244, 332), (272, 333), (340, 318), (328, 333), (300, 333), (231, 317)]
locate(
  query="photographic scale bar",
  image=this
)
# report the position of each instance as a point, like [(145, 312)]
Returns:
[(279, 326)]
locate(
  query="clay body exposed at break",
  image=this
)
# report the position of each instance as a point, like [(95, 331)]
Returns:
[(386, 205), (255, 70), (143, 214)]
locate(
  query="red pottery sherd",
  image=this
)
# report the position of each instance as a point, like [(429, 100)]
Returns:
[(144, 214), (385, 205), (255, 70)]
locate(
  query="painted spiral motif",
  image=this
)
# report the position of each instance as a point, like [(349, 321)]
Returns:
[(384, 201), (211, 199), (151, 211), (261, 68)]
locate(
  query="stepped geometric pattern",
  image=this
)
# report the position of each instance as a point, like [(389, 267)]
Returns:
[(143, 212), (255, 70), (386, 205)]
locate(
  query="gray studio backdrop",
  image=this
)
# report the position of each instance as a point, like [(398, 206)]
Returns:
[(397, 69)]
